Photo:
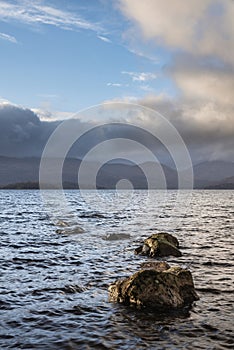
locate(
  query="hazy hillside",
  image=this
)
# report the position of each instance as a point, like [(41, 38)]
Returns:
[(227, 183), (206, 175), (20, 170), (213, 172)]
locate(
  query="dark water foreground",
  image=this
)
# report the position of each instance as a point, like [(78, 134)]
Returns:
[(53, 287)]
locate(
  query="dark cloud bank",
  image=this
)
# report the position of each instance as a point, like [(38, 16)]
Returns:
[(24, 135)]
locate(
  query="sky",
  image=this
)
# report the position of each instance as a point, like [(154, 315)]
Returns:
[(175, 56)]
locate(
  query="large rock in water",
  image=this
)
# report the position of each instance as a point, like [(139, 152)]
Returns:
[(159, 244), (158, 286)]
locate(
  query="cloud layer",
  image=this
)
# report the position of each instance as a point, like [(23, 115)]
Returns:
[(207, 130), (201, 27), (199, 34), (22, 134)]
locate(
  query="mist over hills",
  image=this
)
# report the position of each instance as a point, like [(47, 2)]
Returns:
[(24, 173), (213, 173), (23, 136)]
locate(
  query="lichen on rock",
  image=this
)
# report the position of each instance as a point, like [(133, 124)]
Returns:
[(159, 244), (157, 286)]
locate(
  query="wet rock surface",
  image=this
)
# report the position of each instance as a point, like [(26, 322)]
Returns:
[(158, 245), (156, 265), (157, 286)]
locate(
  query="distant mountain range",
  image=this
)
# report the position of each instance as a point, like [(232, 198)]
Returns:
[(213, 174), (226, 184), (24, 173)]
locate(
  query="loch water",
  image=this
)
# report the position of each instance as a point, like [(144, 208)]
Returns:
[(54, 284)]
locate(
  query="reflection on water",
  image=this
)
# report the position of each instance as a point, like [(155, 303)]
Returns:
[(53, 291)]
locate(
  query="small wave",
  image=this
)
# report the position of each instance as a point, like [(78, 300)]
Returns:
[(209, 327), (67, 289), (72, 289), (44, 218), (5, 305), (214, 263), (92, 216), (80, 310), (214, 290), (205, 247)]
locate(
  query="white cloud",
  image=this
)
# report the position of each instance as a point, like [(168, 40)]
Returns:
[(201, 27), (103, 38), (114, 84), (140, 76), (141, 53), (35, 12), (50, 116), (214, 84), (8, 37), (199, 35), (4, 101)]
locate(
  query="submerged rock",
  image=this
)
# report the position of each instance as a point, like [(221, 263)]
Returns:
[(62, 223), (157, 286), (117, 236), (159, 244), (70, 230)]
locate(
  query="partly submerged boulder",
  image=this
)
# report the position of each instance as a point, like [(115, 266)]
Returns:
[(157, 286), (159, 244)]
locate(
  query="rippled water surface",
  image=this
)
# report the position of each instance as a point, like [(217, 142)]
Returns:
[(54, 278)]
